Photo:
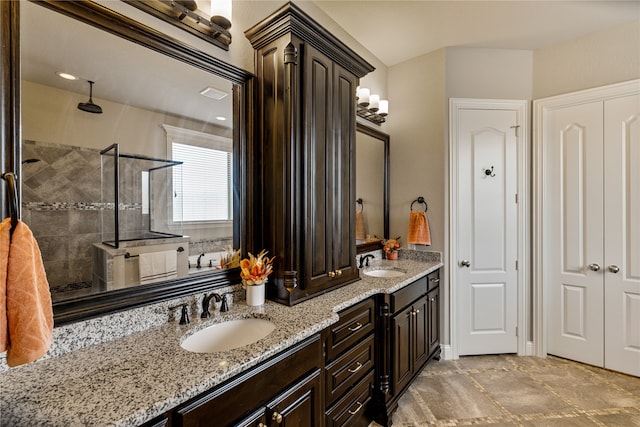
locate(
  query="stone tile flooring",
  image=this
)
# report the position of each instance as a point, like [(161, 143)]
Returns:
[(508, 390)]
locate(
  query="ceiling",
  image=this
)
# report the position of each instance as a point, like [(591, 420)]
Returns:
[(396, 31)]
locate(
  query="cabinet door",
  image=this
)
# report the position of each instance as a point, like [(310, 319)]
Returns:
[(344, 186), (402, 354), (300, 406), (420, 333), (433, 302), (318, 174), (329, 118)]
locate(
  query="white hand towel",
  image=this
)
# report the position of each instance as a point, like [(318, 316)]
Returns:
[(158, 266)]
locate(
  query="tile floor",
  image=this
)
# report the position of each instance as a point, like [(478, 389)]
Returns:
[(507, 390)]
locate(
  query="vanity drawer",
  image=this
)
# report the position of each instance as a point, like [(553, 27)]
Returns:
[(354, 408), (345, 371), (355, 323), (434, 279), (408, 294)]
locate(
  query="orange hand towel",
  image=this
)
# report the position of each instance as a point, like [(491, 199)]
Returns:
[(5, 226), (418, 233), (360, 232), (29, 310)]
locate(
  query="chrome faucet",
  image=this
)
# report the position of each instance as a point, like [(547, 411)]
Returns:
[(205, 304), (363, 259)]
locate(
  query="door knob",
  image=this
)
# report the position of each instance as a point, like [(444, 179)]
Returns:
[(594, 267), (465, 263), (613, 268)]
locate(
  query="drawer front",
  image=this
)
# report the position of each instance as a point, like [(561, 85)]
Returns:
[(348, 369), (354, 409), (355, 323), (434, 279), (408, 294)]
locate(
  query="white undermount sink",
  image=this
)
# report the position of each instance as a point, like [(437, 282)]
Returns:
[(228, 335), (384, 273)]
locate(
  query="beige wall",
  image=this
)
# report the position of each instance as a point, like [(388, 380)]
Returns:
[(489, 73), (608, 56), (417, 124)]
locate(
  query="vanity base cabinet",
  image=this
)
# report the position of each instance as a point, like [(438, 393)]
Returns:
[(350, 362), (408, 326), (288, 388)]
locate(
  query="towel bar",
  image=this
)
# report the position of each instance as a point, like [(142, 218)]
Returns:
[(128, 255), (421, 201)]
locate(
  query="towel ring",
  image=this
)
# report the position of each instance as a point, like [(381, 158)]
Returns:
[(421, 201), (361, 203)]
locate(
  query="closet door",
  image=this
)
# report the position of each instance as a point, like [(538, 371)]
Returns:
[(574, 196), (622, 234)]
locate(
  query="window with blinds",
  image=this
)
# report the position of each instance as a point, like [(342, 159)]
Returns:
[(203, 190)]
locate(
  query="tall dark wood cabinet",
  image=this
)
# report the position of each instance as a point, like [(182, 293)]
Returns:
[(306, 124)]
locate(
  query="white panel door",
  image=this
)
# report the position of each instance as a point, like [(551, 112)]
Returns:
[(622, 234), (574, 229), (487, 231)]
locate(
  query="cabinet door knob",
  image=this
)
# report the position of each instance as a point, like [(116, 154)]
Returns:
[(613, 268), (356, 327), (355, 411), (338, 272), (332, 274), (417, 311), (277, 417), (261, 425), (356, 369), (433, 299), (594, 267), (435, 279)]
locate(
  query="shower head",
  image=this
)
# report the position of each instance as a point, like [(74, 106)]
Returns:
[(89, 106)]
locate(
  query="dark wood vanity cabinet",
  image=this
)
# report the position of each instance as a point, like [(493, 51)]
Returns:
[(408, 329), (349, 366), (285, 390), (304, 153)]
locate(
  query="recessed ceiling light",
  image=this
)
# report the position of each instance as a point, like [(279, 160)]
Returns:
[(221, 118), (213, 93), (66, 76)]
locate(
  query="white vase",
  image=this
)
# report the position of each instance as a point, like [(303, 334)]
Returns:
[(255, 295)]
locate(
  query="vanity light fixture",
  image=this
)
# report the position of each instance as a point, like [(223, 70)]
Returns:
[(207, 19), (370, 106)]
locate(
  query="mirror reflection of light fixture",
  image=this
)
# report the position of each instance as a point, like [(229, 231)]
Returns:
[(370, 106), (207, 19)]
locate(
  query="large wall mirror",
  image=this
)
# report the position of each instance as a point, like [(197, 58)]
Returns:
[(372, 187), (157, 219)]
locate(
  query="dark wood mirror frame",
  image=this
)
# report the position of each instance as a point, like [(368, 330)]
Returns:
[(384, 138), (11, 136)]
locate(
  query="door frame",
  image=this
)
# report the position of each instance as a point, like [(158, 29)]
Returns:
[(523, 220), (539, 185)]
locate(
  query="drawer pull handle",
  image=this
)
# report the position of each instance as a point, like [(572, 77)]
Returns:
[(435, 279), (357, 409), (355, 328), (356, 369)]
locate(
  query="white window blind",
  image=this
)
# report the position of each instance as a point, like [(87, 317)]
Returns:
[(204, 187)]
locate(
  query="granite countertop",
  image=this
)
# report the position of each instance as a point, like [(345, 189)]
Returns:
[(130, 380)]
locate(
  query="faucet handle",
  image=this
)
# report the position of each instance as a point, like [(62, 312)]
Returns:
[(225, 305), (184, 315)]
